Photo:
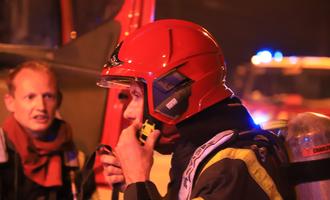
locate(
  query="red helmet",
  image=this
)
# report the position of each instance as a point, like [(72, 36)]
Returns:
[(180, 63)]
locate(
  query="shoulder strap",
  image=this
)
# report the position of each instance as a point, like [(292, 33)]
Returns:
[(273, 142), (199, 155)]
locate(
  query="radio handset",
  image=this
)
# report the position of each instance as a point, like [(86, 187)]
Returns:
[(147, 128)]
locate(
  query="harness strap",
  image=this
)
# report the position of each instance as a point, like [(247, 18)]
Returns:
[(309, 171), (198, 156)]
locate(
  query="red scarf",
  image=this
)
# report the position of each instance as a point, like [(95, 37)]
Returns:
[(41, 160)]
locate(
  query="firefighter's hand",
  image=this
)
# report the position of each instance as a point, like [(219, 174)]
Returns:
[(112, 171), (136, 160)]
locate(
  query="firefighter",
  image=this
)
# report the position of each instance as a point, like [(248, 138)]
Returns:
[(173, 74)]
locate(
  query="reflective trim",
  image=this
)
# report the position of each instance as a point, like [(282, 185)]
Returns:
[(198, 198), (198, 156), (256, 171)]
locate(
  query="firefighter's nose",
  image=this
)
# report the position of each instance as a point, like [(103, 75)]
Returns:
[(40, 103), (129, 112)]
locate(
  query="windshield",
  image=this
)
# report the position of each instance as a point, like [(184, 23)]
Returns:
[(308, 83), (38, 22)]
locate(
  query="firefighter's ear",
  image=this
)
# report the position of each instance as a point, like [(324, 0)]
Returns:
[(59, 99), (9, 102)]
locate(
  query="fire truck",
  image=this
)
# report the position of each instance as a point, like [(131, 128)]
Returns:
[(277, 87), (75, 37)]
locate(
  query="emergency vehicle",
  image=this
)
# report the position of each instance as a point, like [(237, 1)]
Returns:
[(276, 87), (75, 37)]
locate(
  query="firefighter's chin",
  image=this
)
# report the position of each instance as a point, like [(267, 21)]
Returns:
[(166, 144)]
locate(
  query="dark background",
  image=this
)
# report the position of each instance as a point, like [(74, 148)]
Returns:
[(295, 27)]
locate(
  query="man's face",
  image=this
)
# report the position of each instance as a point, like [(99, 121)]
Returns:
[(34, 100), (134, 112)]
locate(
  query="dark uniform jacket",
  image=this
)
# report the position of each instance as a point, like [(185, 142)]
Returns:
[(245, 165), (14, 185)]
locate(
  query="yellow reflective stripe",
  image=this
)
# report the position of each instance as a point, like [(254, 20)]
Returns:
[(256, 171), (198, 198)]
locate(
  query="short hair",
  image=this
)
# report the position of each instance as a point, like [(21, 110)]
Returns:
[(39, 66)]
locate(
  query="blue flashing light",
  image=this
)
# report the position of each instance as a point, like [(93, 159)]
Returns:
[(259, 118), (265, 56), (278, 56)]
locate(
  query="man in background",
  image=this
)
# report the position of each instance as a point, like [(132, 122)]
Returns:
[(38, 157)]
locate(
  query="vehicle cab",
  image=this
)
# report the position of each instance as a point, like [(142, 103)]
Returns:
[(274, 87)]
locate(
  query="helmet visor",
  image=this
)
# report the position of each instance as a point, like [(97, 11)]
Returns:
[(116, 82), (128, 103)]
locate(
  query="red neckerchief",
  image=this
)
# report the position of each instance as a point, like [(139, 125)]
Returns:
[(41, 160)]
